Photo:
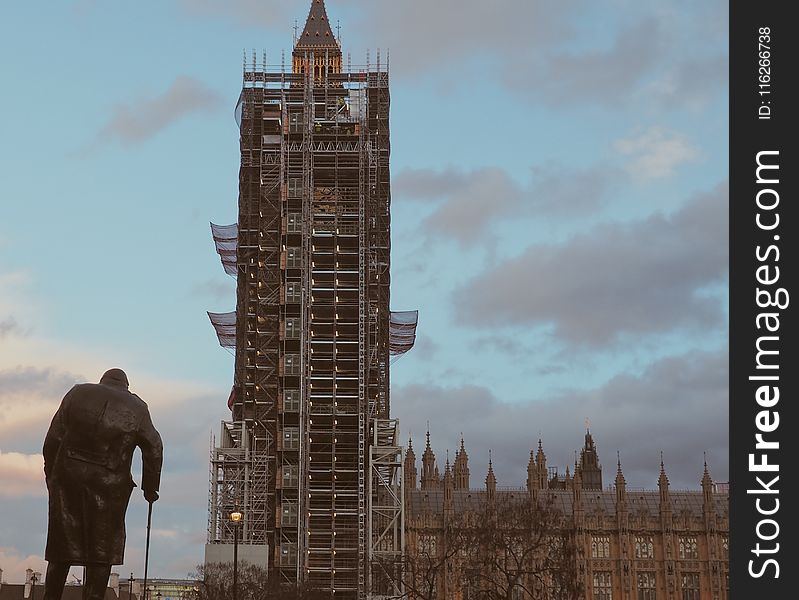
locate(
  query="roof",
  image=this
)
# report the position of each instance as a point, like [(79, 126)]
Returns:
[(16, 591), (647, 501), (317, 32)]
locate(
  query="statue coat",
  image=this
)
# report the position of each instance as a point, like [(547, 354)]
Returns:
[(88, 453)]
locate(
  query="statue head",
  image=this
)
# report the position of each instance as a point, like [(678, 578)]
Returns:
[(115, 377)]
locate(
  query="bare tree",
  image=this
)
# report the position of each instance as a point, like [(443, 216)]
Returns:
[(215, 582), (519, 548)]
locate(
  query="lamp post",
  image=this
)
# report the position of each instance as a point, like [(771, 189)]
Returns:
[(236, 517), (33, 586), (130, 586)]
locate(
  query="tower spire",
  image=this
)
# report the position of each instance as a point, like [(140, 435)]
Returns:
[(317, 49)]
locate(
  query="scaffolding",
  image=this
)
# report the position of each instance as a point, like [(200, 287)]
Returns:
[(238, 481), (312, 329), (386, 511)]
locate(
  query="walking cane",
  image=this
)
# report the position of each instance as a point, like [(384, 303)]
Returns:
[(147, 545)]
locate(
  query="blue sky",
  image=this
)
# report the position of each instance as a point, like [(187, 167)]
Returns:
[(559, 214)]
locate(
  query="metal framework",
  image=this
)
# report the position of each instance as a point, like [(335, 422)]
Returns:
[(386, 513), (311, 455)]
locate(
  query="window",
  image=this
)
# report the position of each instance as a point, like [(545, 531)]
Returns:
[(288, 515), (293, 260), (295, 187), (294, 223), (725, 546), (646, 586), (688, 548), (291, 400), (293, 292), (600, 546), (690, 586), (288, 554), (427, 544), (291, 438), (292, 328), (295, 119), (291, 476), (292, 364), (644, 547), (603, 585)]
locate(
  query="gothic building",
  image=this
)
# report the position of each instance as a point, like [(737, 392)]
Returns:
[(628, 544)]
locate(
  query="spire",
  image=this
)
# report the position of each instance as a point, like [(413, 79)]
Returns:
[(317, 32), (461, 468), (663, 480), (317, 50), (429, 469), (540, 456), (621, 485), (663, 486), (707, 491), (409, 468), (491, 480), (448, 487), (590, 469), (541, 465), (532, 474)]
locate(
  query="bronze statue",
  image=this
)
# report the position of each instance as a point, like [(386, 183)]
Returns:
[(88, 453)]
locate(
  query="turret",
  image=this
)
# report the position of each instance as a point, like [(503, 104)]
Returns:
[(491, 482), (621, 487), (429, 469), (541, 464), (461, 470), (590, 469), (449, 486), (409, 468)]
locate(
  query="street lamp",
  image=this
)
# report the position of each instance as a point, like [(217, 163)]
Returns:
[(33, 586), (236, 517)]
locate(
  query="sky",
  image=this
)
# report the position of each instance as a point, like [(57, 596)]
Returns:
[(559, 219)]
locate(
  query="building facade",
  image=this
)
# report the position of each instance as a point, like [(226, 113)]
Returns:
[(628, 544), (312, 332)]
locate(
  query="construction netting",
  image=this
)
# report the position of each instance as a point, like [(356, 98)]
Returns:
[(225, 326), (226, 239), (402, 331)]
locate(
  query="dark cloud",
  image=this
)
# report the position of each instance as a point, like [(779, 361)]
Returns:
[(450, 31), (692, 82), (9, 326), (467, 202), (678, 405), (137, 122), (624, 278), (604, 75), (37, 381)]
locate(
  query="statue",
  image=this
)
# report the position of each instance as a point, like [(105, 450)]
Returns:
[(88, 453)]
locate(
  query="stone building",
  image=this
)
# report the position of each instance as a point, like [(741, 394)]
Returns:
[(628, 544)]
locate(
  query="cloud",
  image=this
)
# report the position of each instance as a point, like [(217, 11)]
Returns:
[(135, 123), (656, 152), (220, 291), (637, 414), (14, 564), (641, 277), (690, 82), (467, 202), (248, 13), (598, 75), (9, 327), (21, 474)]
